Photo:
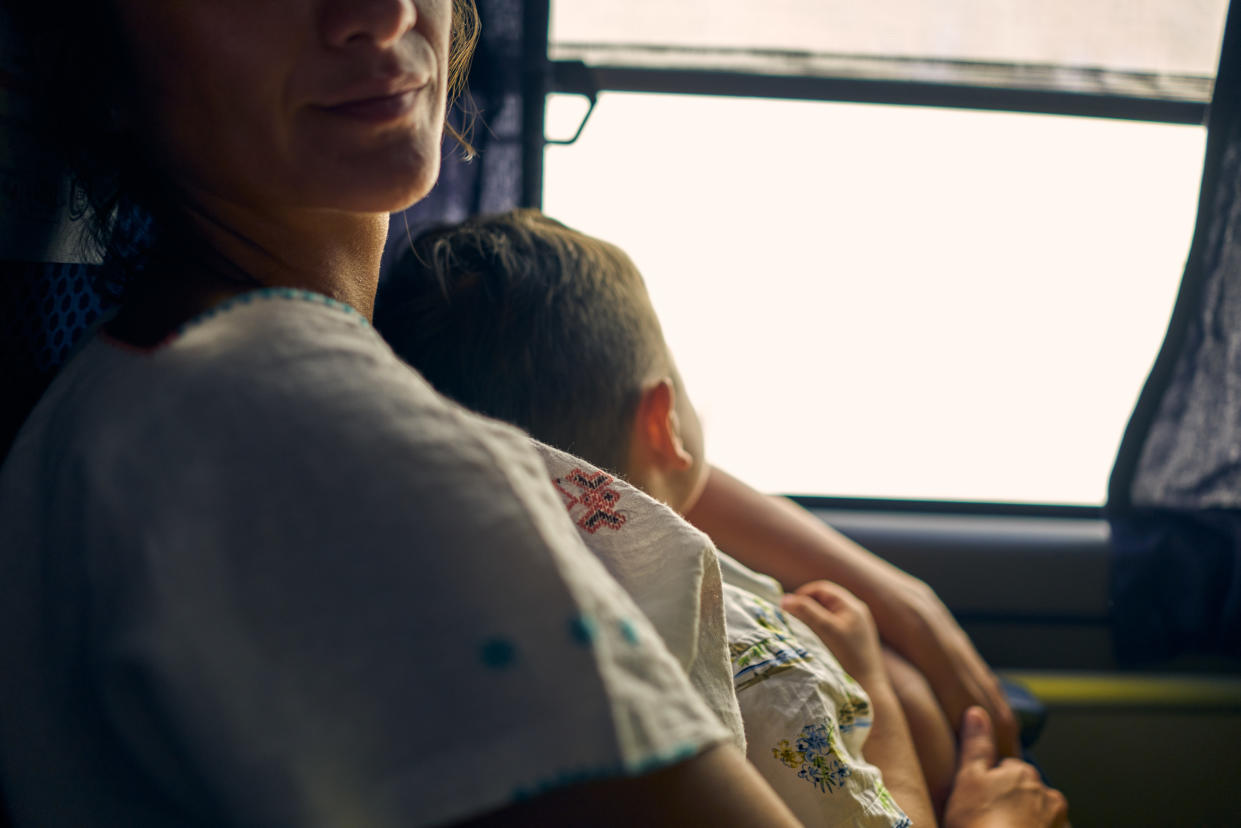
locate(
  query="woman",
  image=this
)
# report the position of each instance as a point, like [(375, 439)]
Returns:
[(257, 572)]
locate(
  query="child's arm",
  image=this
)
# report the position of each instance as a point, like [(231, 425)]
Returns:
[(844, 624), (985, 794), (775, 536)]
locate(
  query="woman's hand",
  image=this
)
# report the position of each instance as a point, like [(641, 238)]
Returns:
[(915, 623), (844, 624), (1007, 795)]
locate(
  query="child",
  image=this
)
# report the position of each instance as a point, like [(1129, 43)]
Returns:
[(528, 321)]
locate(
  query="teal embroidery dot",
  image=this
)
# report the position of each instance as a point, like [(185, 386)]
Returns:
[(582, 629), (628, 631), (497, 653)]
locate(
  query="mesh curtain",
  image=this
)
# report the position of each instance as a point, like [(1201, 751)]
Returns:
[(492, 116), (46, 308), (1175, 494)]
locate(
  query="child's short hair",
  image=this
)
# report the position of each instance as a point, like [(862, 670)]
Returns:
[(521, 318)]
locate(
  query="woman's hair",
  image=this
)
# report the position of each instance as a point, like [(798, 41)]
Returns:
[(526, 320), (461, 45), (84, 82)]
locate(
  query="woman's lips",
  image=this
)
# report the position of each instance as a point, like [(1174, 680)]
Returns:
[(377, 110)]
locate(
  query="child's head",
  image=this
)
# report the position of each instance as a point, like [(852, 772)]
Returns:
[(526, 320)]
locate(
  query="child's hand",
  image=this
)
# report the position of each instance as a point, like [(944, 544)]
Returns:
[(1007, 795), (845, 625)]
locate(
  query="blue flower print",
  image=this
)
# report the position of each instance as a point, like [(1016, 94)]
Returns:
[(814, 758)]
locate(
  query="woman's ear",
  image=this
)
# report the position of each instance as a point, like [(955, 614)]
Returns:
[(658, 428)]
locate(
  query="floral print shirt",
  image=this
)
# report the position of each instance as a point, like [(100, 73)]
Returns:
[(805, 717)]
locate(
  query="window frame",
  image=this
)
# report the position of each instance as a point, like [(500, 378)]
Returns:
[(543, 76)]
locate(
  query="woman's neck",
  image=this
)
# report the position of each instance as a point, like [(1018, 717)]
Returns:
[(234, 250), (331, 252)]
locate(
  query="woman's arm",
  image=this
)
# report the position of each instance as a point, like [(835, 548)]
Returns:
[(775, 536), (717, 787)]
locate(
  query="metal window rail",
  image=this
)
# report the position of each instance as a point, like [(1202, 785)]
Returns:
[(588, 69)]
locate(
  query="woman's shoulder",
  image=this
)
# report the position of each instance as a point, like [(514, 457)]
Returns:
[(272, 365), (291, 389)]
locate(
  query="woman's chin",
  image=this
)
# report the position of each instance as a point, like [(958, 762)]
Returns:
[(385, 188), (379, 194)]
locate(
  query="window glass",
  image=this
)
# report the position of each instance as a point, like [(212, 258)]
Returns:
[(894, 301), (1160, 37)]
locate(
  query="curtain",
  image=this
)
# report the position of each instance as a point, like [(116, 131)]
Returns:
[(1175, 494), (492, 115)]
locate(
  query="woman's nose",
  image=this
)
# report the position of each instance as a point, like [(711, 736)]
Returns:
[(383, 22)]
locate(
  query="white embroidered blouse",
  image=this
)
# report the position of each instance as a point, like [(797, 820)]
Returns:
[(263, 575)]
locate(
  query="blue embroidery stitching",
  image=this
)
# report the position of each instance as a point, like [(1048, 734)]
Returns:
[(628, 631), (582, 629), (498, 653)]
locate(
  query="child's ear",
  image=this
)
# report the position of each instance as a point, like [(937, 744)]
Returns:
[(659, 428)]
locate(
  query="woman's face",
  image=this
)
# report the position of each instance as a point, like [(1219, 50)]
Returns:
[(276, 104)]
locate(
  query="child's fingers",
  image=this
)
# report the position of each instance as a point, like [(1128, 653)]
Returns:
[(831, 595), (844, 624), (849, 609), (815, 615), (977, 739)]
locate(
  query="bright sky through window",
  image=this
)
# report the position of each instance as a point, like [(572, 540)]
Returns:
[(894, 302)]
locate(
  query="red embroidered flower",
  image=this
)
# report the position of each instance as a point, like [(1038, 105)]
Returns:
[(596, 496)]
